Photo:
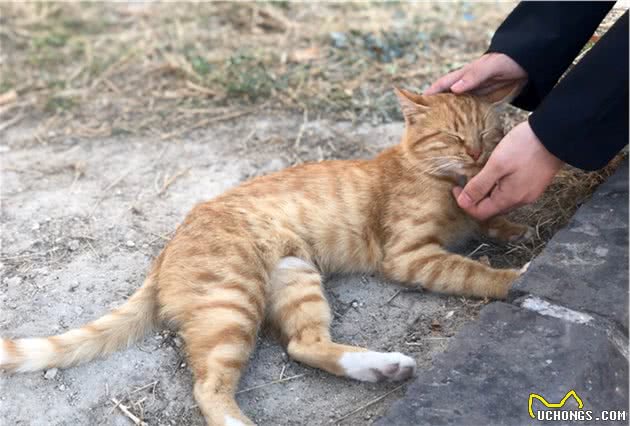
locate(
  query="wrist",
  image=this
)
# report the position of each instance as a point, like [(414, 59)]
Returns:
[(551, 161)]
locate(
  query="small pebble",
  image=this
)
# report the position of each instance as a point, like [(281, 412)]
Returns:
[(73, 245), (339, 40), (51, 374), (35, 226), (355, 304), (130, 243), (62, 387), (178, 342)]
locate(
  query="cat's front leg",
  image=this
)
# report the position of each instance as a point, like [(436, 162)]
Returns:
[(428, 265), (501, 228)]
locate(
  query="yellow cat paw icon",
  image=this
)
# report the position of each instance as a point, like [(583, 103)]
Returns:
[(560, 404)]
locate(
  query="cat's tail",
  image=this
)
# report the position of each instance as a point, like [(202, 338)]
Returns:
[(117, 329)]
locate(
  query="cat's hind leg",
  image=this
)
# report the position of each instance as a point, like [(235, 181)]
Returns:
[(219, 327), (300, 312)]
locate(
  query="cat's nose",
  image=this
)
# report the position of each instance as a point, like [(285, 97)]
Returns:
[(474, 153)]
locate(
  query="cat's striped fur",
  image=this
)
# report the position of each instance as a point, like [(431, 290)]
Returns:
[(258, 253)]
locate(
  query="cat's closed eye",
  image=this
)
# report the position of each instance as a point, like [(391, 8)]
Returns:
[(458, 139), (453, 137)]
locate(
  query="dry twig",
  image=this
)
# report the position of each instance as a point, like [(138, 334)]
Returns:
[(127, 413), (274, 382), (207, 121), (366, 405), (169, 181)]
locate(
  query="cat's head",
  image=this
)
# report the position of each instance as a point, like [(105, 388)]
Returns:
[(452, 135)]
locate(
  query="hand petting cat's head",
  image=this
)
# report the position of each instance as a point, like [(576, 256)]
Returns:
[(453, 135)]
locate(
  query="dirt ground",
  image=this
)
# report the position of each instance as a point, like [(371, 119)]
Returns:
[(98, 170), (78, 239)]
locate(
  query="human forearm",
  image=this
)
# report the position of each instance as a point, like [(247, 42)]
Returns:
[(584, 120), (544, 38)]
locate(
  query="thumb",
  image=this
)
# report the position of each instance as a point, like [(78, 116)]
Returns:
[(472, 78), (479, 187)]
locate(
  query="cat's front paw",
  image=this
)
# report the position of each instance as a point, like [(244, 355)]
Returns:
[(372, 366), (525, 233), (524, 268)]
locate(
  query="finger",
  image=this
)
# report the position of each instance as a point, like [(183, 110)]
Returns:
[(444, 83), (478, 187), (490, 87), (474, 76), (501, 200), (488, 207)]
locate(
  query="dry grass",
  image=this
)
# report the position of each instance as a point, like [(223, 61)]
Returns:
[(103, 69)]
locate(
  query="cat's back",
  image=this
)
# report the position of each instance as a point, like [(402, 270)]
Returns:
[(321, 183), (323, 205)]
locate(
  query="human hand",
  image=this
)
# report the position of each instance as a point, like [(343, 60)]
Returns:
[(517, 172), (485, 75)]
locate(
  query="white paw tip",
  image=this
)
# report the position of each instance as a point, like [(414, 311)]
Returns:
[(291, 262), (377, 366), (231, 421), (525, 267)]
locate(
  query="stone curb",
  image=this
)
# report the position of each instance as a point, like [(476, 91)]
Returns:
[(584, 266), (565, 328)]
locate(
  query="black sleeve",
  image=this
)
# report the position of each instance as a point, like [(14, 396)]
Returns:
[(544, 38), (584, 120)]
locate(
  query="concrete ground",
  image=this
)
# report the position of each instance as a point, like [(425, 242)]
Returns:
[(81, 222)]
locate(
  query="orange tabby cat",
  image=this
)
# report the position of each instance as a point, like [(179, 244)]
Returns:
[(258, 252)]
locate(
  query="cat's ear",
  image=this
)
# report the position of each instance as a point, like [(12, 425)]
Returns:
[(411, 104), (504, 94)]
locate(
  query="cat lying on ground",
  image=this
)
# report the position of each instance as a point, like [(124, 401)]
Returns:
[(258, 253)]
